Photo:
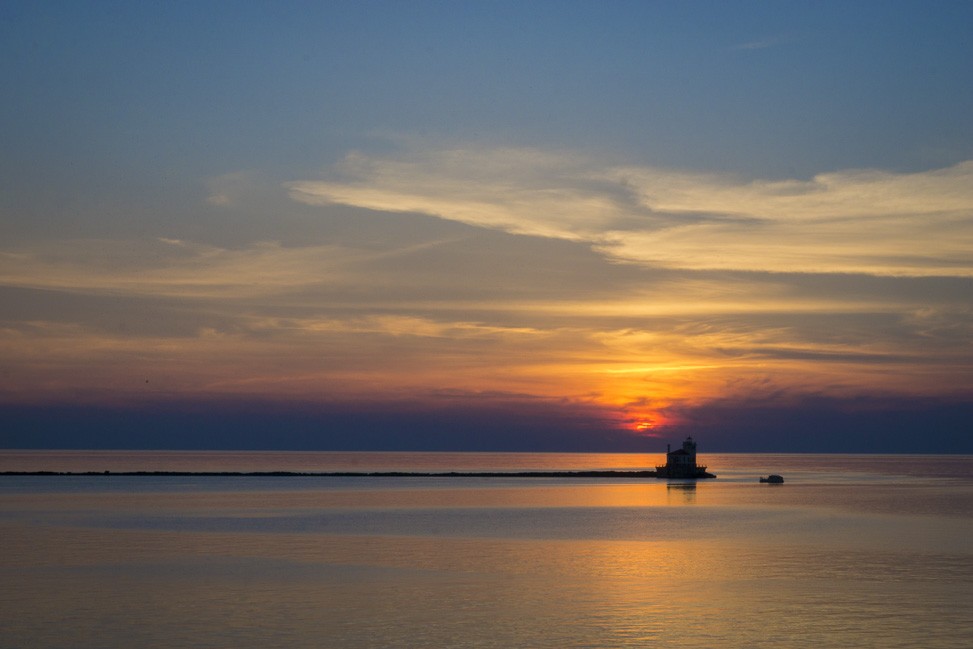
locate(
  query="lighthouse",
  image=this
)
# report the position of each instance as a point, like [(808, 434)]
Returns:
[(681, 463)]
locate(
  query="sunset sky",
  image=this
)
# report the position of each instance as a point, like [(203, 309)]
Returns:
[(487, 225)]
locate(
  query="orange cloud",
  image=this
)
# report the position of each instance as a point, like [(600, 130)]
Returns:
[(517, 272)]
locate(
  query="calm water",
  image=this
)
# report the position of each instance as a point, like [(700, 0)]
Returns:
[(853, 551)]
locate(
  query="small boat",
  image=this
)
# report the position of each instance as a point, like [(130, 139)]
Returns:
[(773, 479)]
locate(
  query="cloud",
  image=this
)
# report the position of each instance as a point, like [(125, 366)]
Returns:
[(177, 268), (858, 221), (522, 191), (229, 189), (467, 422), (445, 293)]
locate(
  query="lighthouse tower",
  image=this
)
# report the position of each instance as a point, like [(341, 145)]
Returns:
[(681, 463)]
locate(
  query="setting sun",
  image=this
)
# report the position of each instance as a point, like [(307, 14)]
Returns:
[(454, 233)]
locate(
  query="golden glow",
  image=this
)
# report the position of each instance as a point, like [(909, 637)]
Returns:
[(639, 332)]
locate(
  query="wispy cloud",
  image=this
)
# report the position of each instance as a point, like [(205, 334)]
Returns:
[(184, 269), (634, 287), (229, 189), (856, 221), (523, 191)]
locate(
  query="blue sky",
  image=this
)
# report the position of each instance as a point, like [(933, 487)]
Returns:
[(636, 213), (744, 87)]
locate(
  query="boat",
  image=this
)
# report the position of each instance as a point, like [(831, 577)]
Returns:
[(773, 478)]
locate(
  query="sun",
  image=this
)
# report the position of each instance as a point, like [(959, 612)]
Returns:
[(646, 425)]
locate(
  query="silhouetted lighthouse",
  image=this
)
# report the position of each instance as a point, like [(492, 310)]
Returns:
[(681, 463)]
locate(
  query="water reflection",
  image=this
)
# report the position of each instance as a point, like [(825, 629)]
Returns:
[(681, 493), (486, 563), (95, 588)]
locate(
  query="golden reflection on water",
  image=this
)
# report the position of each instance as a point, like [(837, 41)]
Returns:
[(317, 461), (78, 570), (111, 587)]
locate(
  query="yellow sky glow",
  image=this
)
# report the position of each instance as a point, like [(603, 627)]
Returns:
[(634, 289)]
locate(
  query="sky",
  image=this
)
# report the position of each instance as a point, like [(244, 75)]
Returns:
[(540, 226)]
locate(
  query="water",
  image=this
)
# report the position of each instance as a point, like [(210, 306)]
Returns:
[(853, 551)]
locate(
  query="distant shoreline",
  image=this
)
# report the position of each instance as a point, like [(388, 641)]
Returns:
[(342, 474)]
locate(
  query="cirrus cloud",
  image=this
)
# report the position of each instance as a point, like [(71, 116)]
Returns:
[(858, 221)]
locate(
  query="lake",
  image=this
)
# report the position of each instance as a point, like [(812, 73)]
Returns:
[(852, 551)]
